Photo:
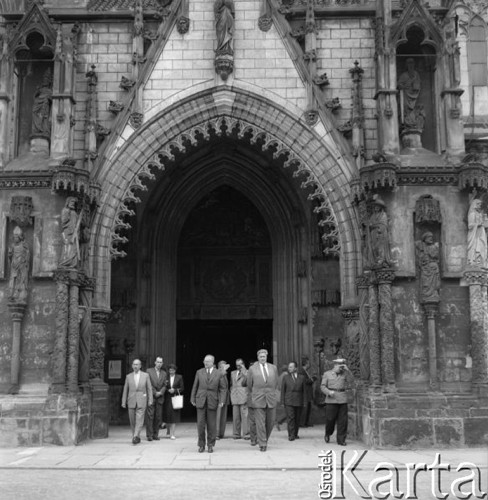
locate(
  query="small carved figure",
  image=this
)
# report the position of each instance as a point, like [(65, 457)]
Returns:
[(409, 85), (224, 24), (477, 243), (41, 109), (428, 264), (378, 243), (70, 222), (19, 255)]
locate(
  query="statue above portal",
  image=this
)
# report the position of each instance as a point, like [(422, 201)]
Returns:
[(41, 108), (378, 242), (412, 114), (70, 222)]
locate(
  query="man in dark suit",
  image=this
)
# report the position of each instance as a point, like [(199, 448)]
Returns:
[(223, 410), (154, 412), (310, 379), (208, 392), (137, 395), (292, 392), (238, 398), (262, 383)]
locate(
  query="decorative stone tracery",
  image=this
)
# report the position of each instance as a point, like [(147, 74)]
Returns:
[(225, 126)]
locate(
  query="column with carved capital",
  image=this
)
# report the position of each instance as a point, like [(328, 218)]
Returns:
[(431, 310), (477, 281), (73, 334), (86, 294), (362, 284), (60, 343), (17, 310), (374, 332), (385, 279)]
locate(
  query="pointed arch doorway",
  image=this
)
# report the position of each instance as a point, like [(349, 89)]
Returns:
[(221, 236), (224, 284)]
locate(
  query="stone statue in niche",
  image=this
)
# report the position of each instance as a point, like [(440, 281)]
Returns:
[(412, 115), (19, 256), (477, 243), (224, 25), (41, 109), (70, 223), (377, 235), (427, 252)]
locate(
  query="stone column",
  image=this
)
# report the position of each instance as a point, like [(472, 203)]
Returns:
[(86, 295), (362, 284), (477, 281), (73, 336), (17, 312), (60, 343), (374, 333), (385, 278), (100, 414), (431, 310), (97, 344)]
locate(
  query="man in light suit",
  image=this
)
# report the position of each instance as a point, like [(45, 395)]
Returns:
[(292, 397), (208, 392), (136, 396), (154, 413), (262, 383), (238, 398)]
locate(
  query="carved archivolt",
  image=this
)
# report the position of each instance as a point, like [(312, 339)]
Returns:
[(228, 126)]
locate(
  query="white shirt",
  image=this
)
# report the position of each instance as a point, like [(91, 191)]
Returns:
[(136, 378), (171, 380), (264, 370)]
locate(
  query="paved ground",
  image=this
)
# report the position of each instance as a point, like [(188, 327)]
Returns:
[(114, 468)]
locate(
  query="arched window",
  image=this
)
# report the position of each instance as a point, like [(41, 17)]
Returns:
[(478, 54)]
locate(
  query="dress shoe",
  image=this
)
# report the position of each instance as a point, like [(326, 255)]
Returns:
[(149, 438), (342, 443), (253, 443), (217, 438), (278, 427), (262, 448), (201, 449), (210, 449), (136, 440), (237, 437), (327, 438), (291, 438), (156, 438), (246, 438), (297, 437)]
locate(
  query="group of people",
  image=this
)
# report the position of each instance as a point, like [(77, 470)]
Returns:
[(254, 394), (148, 396)]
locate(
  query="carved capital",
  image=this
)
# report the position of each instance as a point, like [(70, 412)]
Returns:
[(17, 310), (378, 176), (385, 276), (100, 315), (350, 314), (362, 281), (473, 174), (65, 276), (431, 309), (476, 276)]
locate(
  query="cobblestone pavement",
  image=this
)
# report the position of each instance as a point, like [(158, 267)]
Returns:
[(114, 468)]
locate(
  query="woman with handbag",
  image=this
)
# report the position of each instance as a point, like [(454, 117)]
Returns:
[(173, 402)]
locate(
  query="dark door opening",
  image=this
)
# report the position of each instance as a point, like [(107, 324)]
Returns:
[(225, 339)]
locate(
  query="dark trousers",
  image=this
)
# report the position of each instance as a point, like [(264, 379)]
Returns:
[(221, 420), (265, 419), (154, 418), (293, 414), (251, 420), (206, 420), (336, 413), (306, 414)]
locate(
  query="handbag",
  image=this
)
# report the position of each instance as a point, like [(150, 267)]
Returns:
[(177, 401)]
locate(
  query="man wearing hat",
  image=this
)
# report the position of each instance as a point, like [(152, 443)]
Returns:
[(334, 385)]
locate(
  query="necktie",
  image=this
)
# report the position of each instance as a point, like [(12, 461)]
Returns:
[(265, 375), (208, 373)]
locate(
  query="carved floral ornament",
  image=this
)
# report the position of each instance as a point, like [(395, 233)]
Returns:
[(227, 126)]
